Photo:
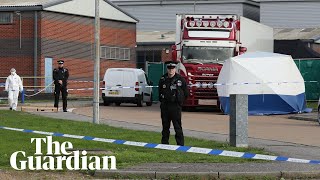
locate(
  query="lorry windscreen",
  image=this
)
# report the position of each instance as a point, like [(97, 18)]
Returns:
[(196, 54)]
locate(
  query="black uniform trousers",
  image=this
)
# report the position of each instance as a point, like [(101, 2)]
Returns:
[(63, 89), (171, 112)]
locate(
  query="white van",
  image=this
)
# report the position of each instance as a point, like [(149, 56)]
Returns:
[(116, 82)]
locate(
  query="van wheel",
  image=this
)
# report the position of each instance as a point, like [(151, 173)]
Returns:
[(117, 104), (106, 103), (150, 102), (140, 101)]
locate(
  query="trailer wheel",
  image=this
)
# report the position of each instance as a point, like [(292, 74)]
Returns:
[(188, 108), (106, 103)]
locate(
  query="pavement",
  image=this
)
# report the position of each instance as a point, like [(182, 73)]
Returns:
[(277, 134), (305, 116)]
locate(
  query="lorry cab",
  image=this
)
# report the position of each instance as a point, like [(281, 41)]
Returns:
[(126, 85)]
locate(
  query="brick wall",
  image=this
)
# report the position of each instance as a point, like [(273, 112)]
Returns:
[(62, 36), (11, 54), (71, 38), (166, 56)]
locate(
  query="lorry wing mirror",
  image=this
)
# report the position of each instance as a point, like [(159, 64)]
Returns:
[(174, 52), (243, 50)]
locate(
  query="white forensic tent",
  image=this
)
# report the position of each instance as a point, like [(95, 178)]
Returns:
[(272, 81)]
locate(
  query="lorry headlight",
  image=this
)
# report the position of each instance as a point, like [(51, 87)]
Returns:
[(204, 85), (199, 23), (210, 85), (219, 23), (226, 24), (205, 23), (198, 84), (192, 23), (213, 23)]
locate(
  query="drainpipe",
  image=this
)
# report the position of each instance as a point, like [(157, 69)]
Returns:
[(20, 28), (35, 53), (19, 14)]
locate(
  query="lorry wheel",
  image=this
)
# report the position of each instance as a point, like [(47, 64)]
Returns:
[(118, 104), (140, 101), (188, 109), (150, 102), (106, 103)]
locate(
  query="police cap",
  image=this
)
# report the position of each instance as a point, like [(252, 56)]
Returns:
[(60, 61), (171, 64)]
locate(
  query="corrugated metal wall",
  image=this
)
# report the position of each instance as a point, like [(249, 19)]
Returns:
[(163, 17), (251, 12), (290, 14)]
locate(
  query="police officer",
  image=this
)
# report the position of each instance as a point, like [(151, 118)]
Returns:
[(60, 77), (172, 92)]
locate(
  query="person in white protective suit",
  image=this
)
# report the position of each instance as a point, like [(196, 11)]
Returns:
[(13, 86)]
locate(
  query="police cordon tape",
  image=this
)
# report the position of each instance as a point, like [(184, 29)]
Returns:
[(197, 85), (186, 149), (39, 91)]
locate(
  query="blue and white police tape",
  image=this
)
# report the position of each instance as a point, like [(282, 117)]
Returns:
[(199, 85), (186, 149), (39, 91)]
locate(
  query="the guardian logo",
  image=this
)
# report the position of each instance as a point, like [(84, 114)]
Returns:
[(58, 158)]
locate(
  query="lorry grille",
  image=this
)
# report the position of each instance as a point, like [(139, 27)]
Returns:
[(204, 93)]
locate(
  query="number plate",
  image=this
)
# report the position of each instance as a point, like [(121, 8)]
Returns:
[(209, 102), (114, 92)]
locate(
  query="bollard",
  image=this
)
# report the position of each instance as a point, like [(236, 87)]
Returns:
[(22, 96), (238, 120)]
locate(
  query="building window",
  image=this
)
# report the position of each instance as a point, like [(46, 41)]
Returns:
[(115, 53), (126, 53), (5, 18), (103, 53)]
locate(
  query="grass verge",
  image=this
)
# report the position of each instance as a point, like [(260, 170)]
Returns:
[(3, 102), (313, 105), (12, 141)]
